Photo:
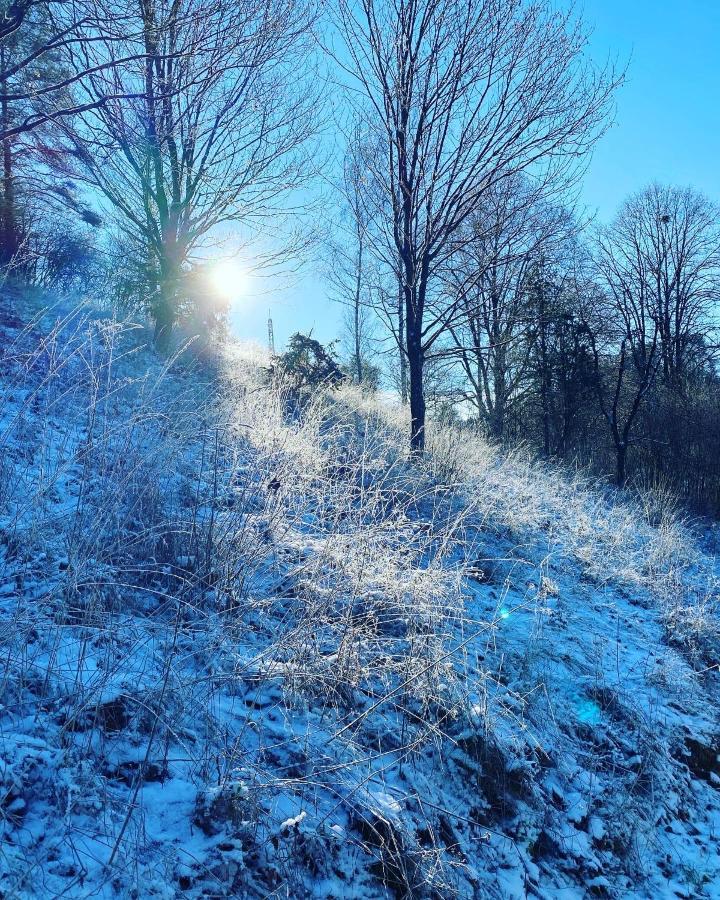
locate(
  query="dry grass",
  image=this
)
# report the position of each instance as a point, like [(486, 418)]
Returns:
[(181, 547)]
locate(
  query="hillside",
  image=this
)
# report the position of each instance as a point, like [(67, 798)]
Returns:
[(250, 650)]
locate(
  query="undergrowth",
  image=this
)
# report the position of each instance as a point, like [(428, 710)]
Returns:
[(204, 576)]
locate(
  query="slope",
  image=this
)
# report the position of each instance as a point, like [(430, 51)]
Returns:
[(249, 649)]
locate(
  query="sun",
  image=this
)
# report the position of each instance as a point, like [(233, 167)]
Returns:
[(228, 279)]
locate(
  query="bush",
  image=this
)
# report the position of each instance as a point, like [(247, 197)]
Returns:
[(308, 365)]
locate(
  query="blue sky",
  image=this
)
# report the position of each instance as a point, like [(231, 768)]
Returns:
[(667, 128), (668, 113)]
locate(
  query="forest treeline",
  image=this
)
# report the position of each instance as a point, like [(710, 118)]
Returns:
[(137, 135)]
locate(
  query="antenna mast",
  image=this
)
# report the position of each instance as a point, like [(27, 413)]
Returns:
[(271, 335)]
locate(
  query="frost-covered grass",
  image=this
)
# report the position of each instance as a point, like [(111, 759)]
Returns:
[(251, 649)]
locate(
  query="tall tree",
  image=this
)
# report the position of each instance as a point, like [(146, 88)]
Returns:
[(626, 334), (381, 297), (462, 95), (36, 190), (36, 33), (660, 265), (502, 248), (664, 246), (207, 125), (350, 267)]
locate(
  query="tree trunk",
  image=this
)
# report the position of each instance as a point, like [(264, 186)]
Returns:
[(165, 311), (164, 317), (544, 372), (358, 349), (497, 413), (620, 465), (497, 421), (416, 365), (403, 344), (417, 400), (9, 243), (356, 323)]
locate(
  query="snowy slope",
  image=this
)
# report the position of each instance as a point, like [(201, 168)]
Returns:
[(253, 652)]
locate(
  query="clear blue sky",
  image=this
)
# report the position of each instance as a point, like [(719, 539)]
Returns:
[(667, 129)]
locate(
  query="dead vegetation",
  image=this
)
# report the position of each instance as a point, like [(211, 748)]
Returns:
[(251, 649)]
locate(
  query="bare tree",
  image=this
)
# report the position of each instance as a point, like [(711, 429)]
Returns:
[(35, 90), (350, 263), (660, 264), (670, 240), (370, 246), (462, 95), (207, 125), (501, 248), (36, 191), (626, 334)]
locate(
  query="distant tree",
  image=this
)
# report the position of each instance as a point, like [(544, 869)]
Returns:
[(359, 344), (626, 332), (664, 246), (372, 374), (623, 382), (497, 272), (659, 262), (363, 264), (461, 96), (60, 255), (350, 263)]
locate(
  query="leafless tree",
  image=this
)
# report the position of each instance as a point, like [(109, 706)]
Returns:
[(350, 266), (35, 87), (381, 297), (664, 248), (660, 264), (32, 163), (626, 337), (208, 124), (512, 234), (462, 95)]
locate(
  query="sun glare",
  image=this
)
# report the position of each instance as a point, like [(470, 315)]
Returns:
[(229, 279)]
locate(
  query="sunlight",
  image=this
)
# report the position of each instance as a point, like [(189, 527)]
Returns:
[(229, 279)]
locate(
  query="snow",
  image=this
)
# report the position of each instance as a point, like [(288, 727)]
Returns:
[(293, 821), (246, 652)]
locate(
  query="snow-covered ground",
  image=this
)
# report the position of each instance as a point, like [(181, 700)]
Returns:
[(254, 652)]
